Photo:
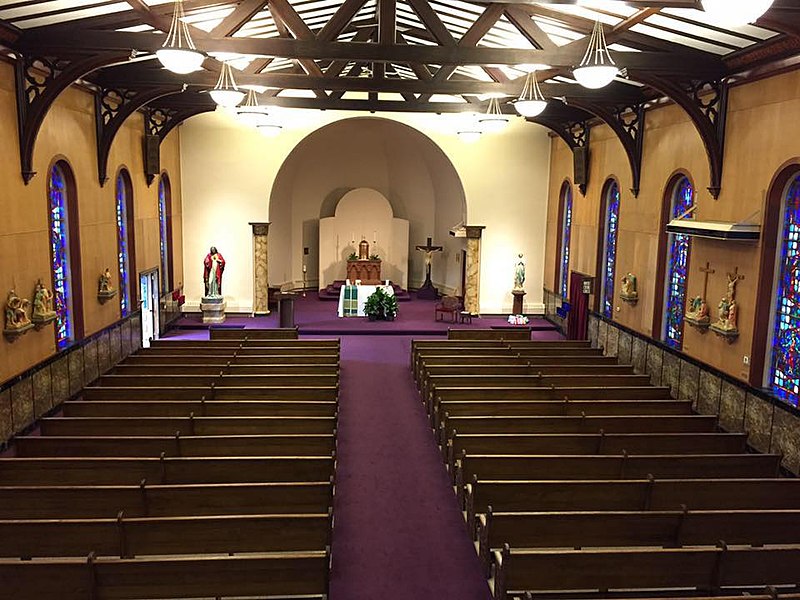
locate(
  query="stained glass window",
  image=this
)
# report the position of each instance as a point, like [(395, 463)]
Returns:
[(59, 251), (122, 246), (784, 374), (611, 229), (566, 199), (162, 220), (677, 267)]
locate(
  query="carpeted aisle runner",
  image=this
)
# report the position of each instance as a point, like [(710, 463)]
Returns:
[(398, 532)]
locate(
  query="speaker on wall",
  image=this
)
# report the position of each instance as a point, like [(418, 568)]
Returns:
[(152, 156), (580, 156)]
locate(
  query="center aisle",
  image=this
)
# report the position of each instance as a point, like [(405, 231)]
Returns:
[(398, 533)]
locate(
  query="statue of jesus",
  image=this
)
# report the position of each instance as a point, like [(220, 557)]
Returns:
[(214, 265)]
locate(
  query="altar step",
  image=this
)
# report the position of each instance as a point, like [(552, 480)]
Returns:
[(332, 292)]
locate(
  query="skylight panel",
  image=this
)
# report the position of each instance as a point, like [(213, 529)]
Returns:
[(26, 16), (702, 17), (692, 30), (680, 39)]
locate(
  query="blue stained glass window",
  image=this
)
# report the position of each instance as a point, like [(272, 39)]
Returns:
[(565, 235), (611, 230), (784, 374), (164, 245), (59, 249), (122, 246), (677, 267)]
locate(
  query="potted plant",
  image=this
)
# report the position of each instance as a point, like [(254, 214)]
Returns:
[(381, 306)]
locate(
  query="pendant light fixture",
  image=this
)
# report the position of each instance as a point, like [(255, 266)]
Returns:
[(178, 54), (250, 112), (531, 102), (494, 120), (225, 93), (270, 130), (597, 69), (735, 13)]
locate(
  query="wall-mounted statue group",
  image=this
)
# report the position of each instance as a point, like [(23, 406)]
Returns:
[(17, 320)]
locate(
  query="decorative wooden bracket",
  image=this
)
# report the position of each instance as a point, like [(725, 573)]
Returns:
[(576, 135), (112, 107), (39, 81), (159, 121), (627, 123), (706, 103)]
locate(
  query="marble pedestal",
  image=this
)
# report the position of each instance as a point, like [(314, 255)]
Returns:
[(519, 295), (213, 308)]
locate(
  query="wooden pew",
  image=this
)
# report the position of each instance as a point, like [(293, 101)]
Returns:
[(177, 445), (629, 529), (221, 360), (511, 359), (129, 471), (705, 569), (601, 467), (220, 379), (517, 333), (227, 368), (201, 408), (630, 495), (554, 393), (256, 575), (226, 333), (149, 426), (99, 393), (302, 345), (143, 500), (499, 408), (229, 351), (128, 537)]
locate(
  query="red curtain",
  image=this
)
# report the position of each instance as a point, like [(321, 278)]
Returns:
[(578, 319)]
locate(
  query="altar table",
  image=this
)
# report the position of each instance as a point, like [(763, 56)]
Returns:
[(362, 292)]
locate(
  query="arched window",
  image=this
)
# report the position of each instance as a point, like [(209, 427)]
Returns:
[(678, 247), (165, 230), (125, 248), (565, 222), (65, 254), (609, 241), (784, 370)]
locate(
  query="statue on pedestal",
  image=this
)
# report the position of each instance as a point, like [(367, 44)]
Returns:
[(17, 321), (697, 314), (213, 266), (519, 274), (43, 312), (104, 288), (629, 292)]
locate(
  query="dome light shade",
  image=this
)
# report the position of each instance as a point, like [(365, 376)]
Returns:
[(494, 120), (178, 54), (531, 102), (597, 69), (595, 77), (251, 113), (225, 93), (270, 130), (179, 60), (469, 136), (735, 13)]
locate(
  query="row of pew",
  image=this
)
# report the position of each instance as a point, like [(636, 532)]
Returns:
[(192, 469), (577, 478)]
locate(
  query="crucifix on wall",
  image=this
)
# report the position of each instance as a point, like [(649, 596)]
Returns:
[(427, 291)]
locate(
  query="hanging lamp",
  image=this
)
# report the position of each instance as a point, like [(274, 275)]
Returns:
[(178, 54), (270, 130), (250, 112), (225, 93), (735, 13), (494, 120), (531, 102), (597, 69)]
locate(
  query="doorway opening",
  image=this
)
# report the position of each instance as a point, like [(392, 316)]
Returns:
[(148, 292)]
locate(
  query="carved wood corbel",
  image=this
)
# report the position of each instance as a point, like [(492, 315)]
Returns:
[(39, 81), (576, 135), (627, 123), (112, 108), (706, 103)]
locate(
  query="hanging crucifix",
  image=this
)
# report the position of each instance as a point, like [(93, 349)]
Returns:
[(427, 291)]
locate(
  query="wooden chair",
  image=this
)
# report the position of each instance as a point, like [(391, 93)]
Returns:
[(448, 306)]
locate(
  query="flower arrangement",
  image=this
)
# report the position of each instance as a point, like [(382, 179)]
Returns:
[(381, 306), (518, 320), (353, 256)]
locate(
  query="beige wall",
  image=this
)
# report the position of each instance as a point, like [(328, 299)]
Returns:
[(762, 132), (232, 176), (68, 131)]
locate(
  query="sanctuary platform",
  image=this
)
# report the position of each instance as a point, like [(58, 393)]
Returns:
[(316, 317)]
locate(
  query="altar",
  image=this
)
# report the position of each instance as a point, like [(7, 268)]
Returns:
[(368, 271), (353, 297)]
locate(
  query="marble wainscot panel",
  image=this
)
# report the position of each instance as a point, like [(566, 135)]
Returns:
[(103, 353), (786, 439), (90, 369), (592, 331), (75, 372), (42, 392), (125, 338), (639, 355), (612, 343), (624, 347), (708, 400), (602, 336), (671, 373), (115, 352), (689, 382), (655, 363), (758, 418), (731, 411), (59, 373), (22, 404), (6, 417)]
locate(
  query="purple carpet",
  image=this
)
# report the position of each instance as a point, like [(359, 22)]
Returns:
[(399, 534)]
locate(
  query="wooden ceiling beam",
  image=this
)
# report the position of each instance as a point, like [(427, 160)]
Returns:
[(340, 20), (430, 18), (246, 10), (387, 22), (529, 29)]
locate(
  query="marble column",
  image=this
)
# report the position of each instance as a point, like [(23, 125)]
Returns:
[(260, 277), (473, 283)]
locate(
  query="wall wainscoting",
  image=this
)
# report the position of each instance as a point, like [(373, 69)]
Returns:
[(771, 425), (42, 388)]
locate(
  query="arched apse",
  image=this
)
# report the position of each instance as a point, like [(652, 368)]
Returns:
[(398, 161)]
